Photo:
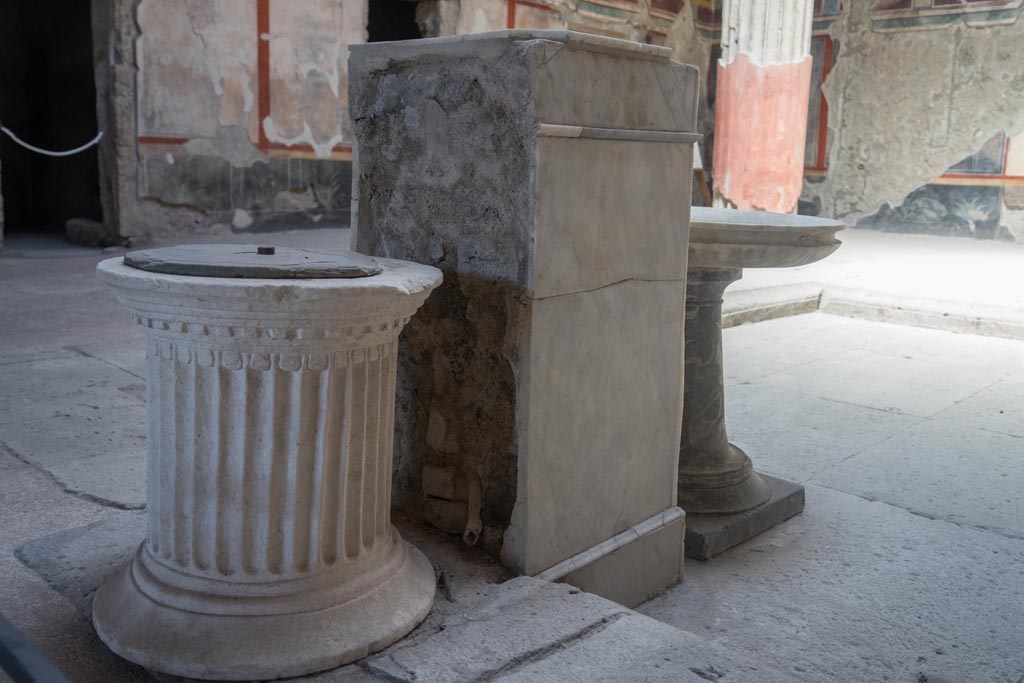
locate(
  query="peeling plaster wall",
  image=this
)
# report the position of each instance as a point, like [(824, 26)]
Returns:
[(906, 105), (194, 144)]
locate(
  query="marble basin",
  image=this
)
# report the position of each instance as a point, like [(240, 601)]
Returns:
[(728, 238), (725, 499)]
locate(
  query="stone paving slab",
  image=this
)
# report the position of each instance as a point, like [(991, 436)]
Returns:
[(97, 454), (33, 506), (795, 435), (997, 408), (74, 562), (912, 386), (524, 618), (531, 630), (971, 476), (853, 591), (68, 385), (128, 354), (636, 648)]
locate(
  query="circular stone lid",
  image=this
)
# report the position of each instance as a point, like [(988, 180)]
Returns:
[(250, 261)]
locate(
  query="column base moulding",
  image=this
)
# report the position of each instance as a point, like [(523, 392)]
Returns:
[(250, 644)]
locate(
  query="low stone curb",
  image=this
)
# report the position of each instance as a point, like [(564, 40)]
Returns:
[(755, 305)]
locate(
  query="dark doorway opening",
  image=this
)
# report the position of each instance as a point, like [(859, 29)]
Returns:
[(47, 98), (392, 20)]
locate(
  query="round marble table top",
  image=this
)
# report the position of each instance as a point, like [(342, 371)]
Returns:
[(729, 238)]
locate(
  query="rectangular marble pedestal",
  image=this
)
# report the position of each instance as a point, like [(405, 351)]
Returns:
[(547, 173), (707, 537)]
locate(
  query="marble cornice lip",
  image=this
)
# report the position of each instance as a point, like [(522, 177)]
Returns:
[(251, 298), (730, 238)]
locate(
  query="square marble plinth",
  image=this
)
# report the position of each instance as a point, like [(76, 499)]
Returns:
[(707, 537), (548, 366)]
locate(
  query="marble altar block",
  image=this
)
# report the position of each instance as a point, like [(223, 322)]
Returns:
[(547, 173)]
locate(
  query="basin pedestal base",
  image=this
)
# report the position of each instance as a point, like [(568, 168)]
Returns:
[(707, 536), (725, 500)]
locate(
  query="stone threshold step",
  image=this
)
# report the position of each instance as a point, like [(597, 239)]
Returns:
[(780, 301), (536, 631)]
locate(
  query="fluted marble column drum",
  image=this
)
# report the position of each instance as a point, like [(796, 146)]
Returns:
[(269, 549)]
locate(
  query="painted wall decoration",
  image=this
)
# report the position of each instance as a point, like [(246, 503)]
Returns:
[(242, 108), (975, 197), (899, 15), (825, 12), (823, 53), (648, 21)]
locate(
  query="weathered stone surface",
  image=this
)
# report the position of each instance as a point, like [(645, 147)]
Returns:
[(76, 561), (635, 648), (580, 243), (959, 97), (92, 454), (81, 421), (853, 590), (269, 549), (482, 155), (956, 485), (531, 630), (499, 631)]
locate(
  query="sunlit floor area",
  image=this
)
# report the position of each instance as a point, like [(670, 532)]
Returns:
[(907, 563)]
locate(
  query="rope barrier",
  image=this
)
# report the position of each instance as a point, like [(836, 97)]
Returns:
[(51, 153)]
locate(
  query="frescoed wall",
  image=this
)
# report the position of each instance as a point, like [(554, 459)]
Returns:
[(899, 15), (242, 109), (224, 115), (924, 119), (230, 115), (978, 196)]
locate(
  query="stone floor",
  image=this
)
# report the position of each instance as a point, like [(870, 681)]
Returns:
[(908, 561), (907, 565)]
